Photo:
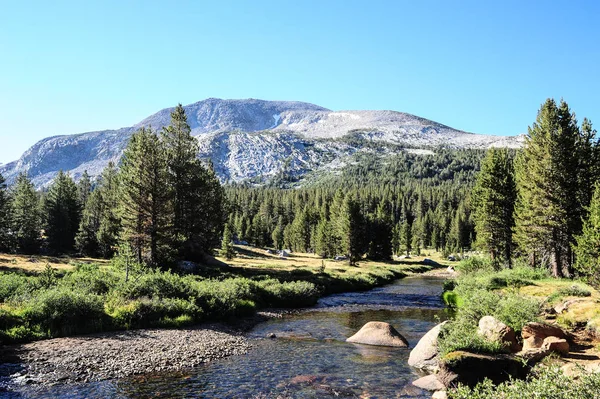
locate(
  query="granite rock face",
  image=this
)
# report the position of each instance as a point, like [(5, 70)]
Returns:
[(254, 139)]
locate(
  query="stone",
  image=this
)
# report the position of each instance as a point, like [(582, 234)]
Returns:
[(564, 306), (541, 330), (533, 355), (380, 334), (429, 383), (532, 342), (425, 354), (558, 345), (494, 330), (439, 395), (471, 368)]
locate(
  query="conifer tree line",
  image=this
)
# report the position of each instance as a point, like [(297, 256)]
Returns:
[(541, 204), (374, 220), (161, 202)]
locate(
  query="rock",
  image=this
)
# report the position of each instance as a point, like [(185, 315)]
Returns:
[(469, 368), (494, 330), (541, 330), (533, 355), (439, 395), (378, 333), (429, 383), (272, 335), (450, 269), (558, 345), (425, 354), (564, 306), (532, 343)]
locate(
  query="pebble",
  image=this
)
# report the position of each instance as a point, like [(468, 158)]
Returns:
[(120, 354)]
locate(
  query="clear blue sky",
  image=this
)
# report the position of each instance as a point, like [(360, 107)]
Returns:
[(480, 66)]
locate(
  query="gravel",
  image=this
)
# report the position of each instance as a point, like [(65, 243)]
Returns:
[(120, 354)]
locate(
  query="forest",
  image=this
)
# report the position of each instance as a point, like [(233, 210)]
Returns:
[(162, 205)]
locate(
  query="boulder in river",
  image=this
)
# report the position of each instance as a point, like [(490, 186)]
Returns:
[(494, 330), (380, 334), (425, 355)]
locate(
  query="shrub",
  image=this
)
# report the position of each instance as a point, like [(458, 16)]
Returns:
[(152, 312), (475, 264), (13, 284), (289, 294), (90, 278), (157, 284), (544, 382), (64, 311)]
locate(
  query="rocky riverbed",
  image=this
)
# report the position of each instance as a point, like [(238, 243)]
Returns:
[(119, 354)]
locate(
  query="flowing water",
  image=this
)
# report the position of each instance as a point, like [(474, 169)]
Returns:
[(308, 358)]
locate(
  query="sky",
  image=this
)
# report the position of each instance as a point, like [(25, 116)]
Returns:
[(480, 66)]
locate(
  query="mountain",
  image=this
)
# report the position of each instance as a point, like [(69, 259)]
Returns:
[(256, 140)]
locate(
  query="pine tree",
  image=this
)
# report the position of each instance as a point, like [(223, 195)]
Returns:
[(6, 243), (548, 175), (227, 243), (587, 250), (144, 198), (406, 237), (197, 194), (277, 235), (86, 240), (26, 218), (62, 211), (84, 189), (110, 220), (493, 200), (351, 229)]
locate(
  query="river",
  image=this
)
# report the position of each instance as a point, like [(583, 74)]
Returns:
[(307, 358)]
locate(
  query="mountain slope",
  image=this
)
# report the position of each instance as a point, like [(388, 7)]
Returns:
[(252, 139)]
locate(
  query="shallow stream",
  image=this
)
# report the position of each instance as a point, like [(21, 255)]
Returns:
[(308, 358)]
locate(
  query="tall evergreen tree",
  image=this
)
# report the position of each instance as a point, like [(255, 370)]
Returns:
[(145, 198), (493, 199), (62, 210), (110, 220), (84, 189), (5, 225), (550, 204), (227, 243), (86, 240), (351, 229), (198, 199), (587, 250), (26, 218)]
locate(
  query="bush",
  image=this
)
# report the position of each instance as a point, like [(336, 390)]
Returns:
[(64, 311), (13, 284), (90, 278), (152, 312), (157, 284), (475, 264), (544, 382), (289, 294)]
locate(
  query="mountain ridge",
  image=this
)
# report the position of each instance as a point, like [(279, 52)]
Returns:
[(247, 139)]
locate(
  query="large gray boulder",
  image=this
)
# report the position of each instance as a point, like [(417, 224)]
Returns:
[(494, 330), (380, 334), (424, 356), (429, 383)]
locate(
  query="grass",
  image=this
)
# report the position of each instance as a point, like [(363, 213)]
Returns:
[(79, 297), (544, 382)]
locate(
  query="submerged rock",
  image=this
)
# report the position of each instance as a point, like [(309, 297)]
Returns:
[(380, 334), (425, 355)]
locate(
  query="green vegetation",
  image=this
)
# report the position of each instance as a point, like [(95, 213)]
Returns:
[(89, 298), (480, 291), (545, 382)]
